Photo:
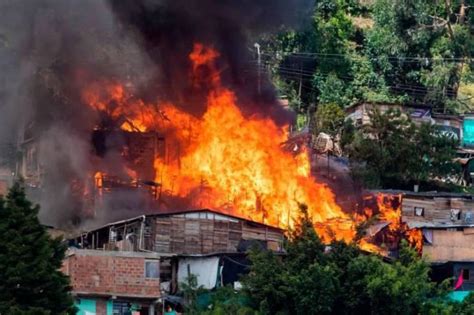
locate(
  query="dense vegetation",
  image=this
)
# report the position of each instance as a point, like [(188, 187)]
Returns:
[(340, 279), (413, 52), (393, 152), (404, 51), (30, 280)]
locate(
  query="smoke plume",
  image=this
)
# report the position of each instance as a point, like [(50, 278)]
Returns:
[(50, 50)]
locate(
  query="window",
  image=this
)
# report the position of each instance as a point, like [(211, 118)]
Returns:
[(121, 308), (465, 274), (419, 212), (455, 214), (152, 269)]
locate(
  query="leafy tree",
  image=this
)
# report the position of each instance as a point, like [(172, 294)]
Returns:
[(314, 79), (313, 278), (435, 152), (340, 279), (266, 283), (392, 151), (421, 47), (31, 282), (465, 307), (226, 300), (414, 51), (329, 119)]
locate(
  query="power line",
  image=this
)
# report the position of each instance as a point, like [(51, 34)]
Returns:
[(298, 74), (336, 56), (410, 89)]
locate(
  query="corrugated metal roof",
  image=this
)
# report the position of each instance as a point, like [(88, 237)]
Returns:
[(421, 224), (179, 212), (426, 194)]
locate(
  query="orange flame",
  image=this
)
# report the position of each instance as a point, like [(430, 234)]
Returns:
[(389, 210), (415, 238), (237, 164), (229, 162)]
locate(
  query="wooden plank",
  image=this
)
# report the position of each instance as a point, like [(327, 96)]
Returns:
[(235, 226), (235, 235), (468, 231), (221, 225)]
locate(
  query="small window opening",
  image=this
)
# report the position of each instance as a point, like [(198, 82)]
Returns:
[(465, 274), (419, 212)]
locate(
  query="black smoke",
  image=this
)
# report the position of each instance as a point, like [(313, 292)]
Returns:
[(50, 50), (168, 29)]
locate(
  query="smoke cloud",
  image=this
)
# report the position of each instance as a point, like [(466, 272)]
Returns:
[(50, 50)]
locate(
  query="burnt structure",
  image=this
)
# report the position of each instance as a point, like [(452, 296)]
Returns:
[(122, 178), (446, 221)]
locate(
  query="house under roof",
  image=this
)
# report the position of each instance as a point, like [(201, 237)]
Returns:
[(200, 231)]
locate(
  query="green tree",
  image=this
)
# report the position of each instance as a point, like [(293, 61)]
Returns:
[(302, 284), (421, 47), (312, 79), (225, 300), (435, 152), (392, 152), (316, 279), (414, 51), (313, 278), (31, 282), (378, 146), (266, 283), (465, 307), (329, 118)]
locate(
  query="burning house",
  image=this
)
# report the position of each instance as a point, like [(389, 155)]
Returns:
[(439, 225), (126, 108), (116, 116), (447, 223), (142, 259)]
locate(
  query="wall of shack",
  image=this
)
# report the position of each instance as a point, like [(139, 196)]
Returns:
[(456, 244), (202, 235)]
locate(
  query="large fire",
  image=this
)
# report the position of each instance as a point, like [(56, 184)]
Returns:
[(227, 161)]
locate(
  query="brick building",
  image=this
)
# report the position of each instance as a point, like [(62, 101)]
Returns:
[(133, 264), (106, 281)]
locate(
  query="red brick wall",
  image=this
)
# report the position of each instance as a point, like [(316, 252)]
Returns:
[(114, 275)]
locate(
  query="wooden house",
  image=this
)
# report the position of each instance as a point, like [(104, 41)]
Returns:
[(206, 243), (360, 113), (194, 232), (447, 222)]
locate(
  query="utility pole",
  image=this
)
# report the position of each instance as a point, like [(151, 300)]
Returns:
[(259, 62), (300, 88)]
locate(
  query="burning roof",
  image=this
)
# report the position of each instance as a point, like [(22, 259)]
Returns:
[(149, 105), (224, 160)]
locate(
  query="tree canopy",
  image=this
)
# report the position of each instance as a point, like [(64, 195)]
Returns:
[(393, 152), (31, 282), (402, 51), (313, 278)]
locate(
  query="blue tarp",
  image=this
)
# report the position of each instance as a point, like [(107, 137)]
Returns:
[(458, 296)]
